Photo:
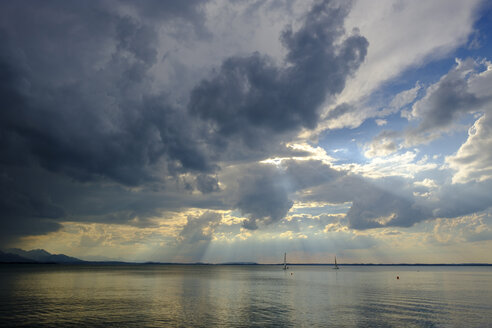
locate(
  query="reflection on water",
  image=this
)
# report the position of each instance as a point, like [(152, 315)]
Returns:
[(244, 296)]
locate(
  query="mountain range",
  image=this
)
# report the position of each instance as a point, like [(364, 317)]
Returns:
[(16, 255)]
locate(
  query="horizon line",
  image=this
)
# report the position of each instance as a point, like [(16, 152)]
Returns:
[(116, 262)]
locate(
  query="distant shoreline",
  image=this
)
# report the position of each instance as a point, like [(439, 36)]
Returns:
[(117, 263), (40, 256)]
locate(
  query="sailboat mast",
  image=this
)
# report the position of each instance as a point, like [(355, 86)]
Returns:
[(285, 261)]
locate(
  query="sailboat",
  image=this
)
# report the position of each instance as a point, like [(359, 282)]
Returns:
[(336, 266), (285, 262)]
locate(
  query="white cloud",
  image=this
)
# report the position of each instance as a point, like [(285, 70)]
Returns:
[(402, 165), (427, 183), (465, 89), (425, 188), (469, 228), (473, 161), (405, 97), (403, 34), (380, 122), (313, 153), (382, 146), (397, 43)]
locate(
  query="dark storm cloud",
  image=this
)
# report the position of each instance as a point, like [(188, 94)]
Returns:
[(25, 212), (74, 102), (253, 96), (25, 209), (74, 99), (85, 137), (262, 195), (190, 10), (206, 183), (34, 201)]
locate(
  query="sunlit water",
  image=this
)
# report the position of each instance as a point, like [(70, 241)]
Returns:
[(244, 296)]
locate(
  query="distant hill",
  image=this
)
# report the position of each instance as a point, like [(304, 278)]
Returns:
[(239, 263), (13, 258), (42, 256)]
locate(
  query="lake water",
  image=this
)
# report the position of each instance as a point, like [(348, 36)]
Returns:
[(244, 296)]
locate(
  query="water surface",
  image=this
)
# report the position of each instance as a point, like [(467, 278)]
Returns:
[(244, 296)]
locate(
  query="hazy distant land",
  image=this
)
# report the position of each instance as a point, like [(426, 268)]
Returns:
[(40, 256)]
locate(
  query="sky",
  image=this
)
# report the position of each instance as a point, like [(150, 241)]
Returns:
[(234, 131)]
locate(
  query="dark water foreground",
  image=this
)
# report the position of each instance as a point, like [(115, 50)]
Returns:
[(244, 296)]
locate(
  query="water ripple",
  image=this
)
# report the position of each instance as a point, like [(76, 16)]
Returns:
[(243, 296)]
